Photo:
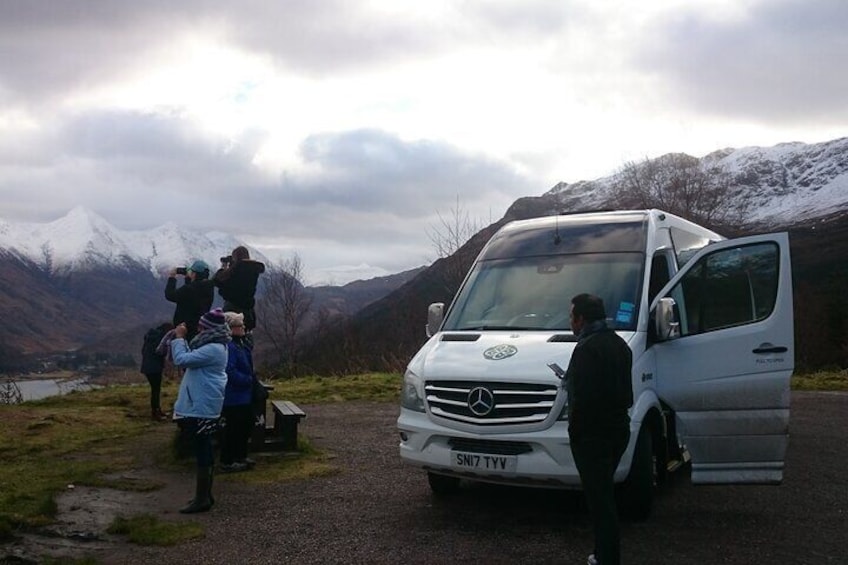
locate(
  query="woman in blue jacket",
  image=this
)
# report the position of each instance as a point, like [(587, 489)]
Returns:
[(238, 399), (201, 395)]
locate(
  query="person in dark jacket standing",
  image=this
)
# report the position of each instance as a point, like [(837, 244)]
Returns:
[(238, 399), (236, 281), (194, 298), (600, 391), (152, 366)]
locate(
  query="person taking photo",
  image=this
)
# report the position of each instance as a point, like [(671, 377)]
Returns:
[(193, 298), (236, 281)]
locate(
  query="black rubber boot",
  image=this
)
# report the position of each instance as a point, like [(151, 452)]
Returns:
[(211, 480), (202, 501)]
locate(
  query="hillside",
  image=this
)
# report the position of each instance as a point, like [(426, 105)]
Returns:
[(802, 189), (80, 284)]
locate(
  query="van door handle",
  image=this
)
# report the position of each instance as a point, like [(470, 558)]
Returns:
[(769, 348)]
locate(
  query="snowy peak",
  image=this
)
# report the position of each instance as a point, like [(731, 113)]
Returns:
[(83, 240), (783, 184), (790, 181)]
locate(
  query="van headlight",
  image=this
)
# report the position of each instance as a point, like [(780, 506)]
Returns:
[(412, 393)]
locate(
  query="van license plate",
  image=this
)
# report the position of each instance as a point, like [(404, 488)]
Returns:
[(484, 462)]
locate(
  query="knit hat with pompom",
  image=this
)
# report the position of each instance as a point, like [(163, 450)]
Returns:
[(213, 319)]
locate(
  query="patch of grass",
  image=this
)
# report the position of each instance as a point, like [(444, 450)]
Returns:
[(7, 531), (91, 437), (68, 561), (79, 438), (305, 464), (375, 387), (821, 380), (146, 529)]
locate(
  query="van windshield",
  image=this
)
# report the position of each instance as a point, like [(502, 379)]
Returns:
[(534, 293)]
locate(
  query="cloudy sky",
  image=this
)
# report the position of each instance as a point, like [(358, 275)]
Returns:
[(341, 129)]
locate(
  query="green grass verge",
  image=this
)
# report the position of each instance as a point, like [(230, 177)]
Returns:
[(146, 529), (375, 387), (79, 438), (821, 380), (90, 438)]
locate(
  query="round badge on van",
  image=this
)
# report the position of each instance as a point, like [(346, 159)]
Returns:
[(499, 352)]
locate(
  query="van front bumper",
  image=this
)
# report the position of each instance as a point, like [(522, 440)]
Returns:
[(543, 457)]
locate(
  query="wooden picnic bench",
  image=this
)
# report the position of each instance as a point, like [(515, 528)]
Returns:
[(287, 415)]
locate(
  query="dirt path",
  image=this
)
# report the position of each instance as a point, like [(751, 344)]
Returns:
[(378, 511)]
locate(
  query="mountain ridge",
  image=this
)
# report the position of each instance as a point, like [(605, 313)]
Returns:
[(83, 240), (96, 281), (783, 183), (385, 335)]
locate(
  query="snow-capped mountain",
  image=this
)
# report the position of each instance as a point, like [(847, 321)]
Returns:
[(783, 184), (83, 240)]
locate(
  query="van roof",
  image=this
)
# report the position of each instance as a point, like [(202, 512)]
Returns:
[(600, 232)]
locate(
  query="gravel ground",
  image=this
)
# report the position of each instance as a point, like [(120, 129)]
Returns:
[(379, 511)]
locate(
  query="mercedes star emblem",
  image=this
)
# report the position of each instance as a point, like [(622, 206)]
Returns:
[(481, 401)]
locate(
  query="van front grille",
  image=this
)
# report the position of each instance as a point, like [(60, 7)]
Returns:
[(490, 403), (490, 447)]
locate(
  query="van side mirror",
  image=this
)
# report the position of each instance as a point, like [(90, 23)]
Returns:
[(665, 319), (435, 316)]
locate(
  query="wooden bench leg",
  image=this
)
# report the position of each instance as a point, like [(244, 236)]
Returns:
[(286, 430)]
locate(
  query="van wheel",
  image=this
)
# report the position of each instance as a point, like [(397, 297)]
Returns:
[(636, 493), (442, 485)]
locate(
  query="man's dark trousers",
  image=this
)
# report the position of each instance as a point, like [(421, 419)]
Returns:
[(597, 457)]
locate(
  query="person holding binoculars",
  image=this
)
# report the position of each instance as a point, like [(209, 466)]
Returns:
[(194, 298), (236, 281)]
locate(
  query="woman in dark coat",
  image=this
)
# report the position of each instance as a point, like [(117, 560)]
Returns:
[(236, 281), (238, 399)]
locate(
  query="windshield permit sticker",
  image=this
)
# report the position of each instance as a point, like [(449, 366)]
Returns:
[(499, 352), (625, 313)]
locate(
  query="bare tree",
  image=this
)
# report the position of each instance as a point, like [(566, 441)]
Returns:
[(447, 237), (682, 185), (285, 305)]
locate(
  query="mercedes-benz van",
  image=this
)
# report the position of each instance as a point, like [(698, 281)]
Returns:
[(709, 321)]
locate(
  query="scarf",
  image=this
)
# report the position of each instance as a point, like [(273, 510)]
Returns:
[(164, 347), (217, 335)]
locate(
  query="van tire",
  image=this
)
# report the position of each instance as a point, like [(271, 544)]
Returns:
[(636, 493), (442, 485)]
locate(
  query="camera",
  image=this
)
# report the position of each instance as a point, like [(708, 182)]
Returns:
[(227, 260), (182, 270)]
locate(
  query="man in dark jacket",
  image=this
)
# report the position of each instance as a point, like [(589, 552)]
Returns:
[(600, 391), (193, 299), (236, 281)]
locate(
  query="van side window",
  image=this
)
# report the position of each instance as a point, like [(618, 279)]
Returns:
[(686, 244), (728, 288), (659, 275)]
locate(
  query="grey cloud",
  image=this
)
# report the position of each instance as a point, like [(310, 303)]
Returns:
[(136, 169), (784, 62), (156, 148), (49, 48), (533, 18), (376, 171), (366, 191)]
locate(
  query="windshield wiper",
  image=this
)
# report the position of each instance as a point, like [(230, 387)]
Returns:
[(504, 328)]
